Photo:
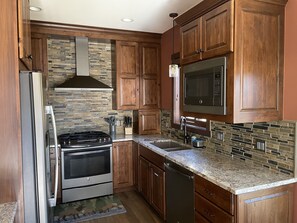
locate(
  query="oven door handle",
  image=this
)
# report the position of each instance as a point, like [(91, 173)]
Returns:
[(49, 111), (85, 153)]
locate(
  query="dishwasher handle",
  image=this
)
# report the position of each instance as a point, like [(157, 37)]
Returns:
[(167, 165)]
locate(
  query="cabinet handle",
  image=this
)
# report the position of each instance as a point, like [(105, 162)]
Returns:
[(30, 57), (156, 174), (208, 213), (209, 193), (197, 51), (201, 51)]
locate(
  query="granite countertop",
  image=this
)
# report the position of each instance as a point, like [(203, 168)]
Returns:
[(234, 175), (7, 212)]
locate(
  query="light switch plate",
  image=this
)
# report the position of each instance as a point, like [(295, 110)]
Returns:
[(260, 145)]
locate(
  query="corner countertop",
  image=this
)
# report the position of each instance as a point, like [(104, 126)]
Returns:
[(7, 212), (234, 175)]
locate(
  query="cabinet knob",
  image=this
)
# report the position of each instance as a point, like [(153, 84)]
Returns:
[(197, 51), (30, 57)]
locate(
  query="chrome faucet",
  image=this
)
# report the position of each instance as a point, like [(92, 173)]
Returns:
[(183, 126)]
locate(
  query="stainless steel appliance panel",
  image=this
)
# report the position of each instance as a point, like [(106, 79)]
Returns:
[(179, 189), (36, 171)]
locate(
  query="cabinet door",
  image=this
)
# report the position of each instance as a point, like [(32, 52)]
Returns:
[(258, 61), (135, 159), (39, 53), (122, 165), (150, 76), (24, 33), (158, 190), (191, 41), (217, 31), (270, 205), (127, 89), (144, 178), (149, 122)]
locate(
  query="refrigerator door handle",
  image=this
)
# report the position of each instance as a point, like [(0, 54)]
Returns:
[(49, 111)]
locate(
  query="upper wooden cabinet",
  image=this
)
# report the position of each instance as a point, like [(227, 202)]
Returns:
[(127, 75), (24, 33), (258, 61), (250, 33), (138, 75), (150, 76), (39, 53), (209, 35)]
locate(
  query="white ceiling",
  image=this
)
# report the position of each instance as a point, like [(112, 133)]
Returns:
[(148, 15)]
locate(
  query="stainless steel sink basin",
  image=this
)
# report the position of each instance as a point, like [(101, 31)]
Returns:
[(169, 146)]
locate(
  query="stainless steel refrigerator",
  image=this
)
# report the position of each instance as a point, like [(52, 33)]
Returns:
[(39, 199)]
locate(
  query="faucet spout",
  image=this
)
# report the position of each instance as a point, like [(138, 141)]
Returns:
[(183, 126)]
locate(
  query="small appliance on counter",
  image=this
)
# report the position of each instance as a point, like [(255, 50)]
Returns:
[(196, 142), (128, 125), (112, 124)]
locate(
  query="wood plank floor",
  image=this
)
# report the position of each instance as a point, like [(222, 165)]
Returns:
[(138, 211)]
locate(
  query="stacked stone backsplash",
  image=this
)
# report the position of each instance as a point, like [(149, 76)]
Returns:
[(82, 110), (240, 142)]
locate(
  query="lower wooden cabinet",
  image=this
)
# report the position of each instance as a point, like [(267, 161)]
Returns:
[(273, 205), (151, 182), (122, 165), (157, 188), (215, 204)]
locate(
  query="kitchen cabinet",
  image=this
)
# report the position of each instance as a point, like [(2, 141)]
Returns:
[(138, 75), (146, 121), (135, 158), (150, 76), (122, 165), (152, 179), (24, 33), (127, 91), (215, 204), (39, 53), (209, 35), (242, 31)]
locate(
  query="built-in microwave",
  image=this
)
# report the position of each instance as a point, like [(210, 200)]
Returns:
[(204, 86)]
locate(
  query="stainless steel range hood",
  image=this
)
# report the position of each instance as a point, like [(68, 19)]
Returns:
[(82, 80)]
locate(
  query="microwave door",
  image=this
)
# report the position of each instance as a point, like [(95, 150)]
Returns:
[(199, 88)]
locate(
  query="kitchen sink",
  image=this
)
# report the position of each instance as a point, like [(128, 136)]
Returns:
[(169, 146)]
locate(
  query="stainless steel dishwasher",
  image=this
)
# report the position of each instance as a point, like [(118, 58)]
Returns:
[(179, 187)]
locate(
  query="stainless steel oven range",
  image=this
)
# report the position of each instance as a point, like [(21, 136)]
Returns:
[(86, 165)]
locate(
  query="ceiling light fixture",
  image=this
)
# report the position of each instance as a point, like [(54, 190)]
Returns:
[(35, 9), (127, 20), (173, 68)]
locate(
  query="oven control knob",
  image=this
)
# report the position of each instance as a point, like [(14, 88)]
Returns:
[(100, 140), (200, 101), (69, 142), (104, 139), (88, 178)]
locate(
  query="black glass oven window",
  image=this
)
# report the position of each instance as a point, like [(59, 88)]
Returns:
[(86, 163), (204, 87)]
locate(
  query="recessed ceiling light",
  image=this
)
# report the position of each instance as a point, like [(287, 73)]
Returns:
[(127, 20), (35, 9)]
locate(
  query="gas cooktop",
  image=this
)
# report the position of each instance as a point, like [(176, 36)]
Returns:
[(84, 139)]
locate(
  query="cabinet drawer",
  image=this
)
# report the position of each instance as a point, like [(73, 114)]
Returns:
[(210, 211), (152, 157), (199, 218), (219, 196)]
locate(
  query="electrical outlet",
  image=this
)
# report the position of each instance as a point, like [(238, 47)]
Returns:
[(260, 145), (220, 136)]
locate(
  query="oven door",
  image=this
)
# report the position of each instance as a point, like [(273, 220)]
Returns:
[(86, 166)]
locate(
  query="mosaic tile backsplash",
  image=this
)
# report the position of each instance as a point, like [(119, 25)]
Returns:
[(240, 142), (82, 110)]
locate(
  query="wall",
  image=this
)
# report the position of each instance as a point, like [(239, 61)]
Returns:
[(82, 110), (10, 147), (166, 81), (239, 142)]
